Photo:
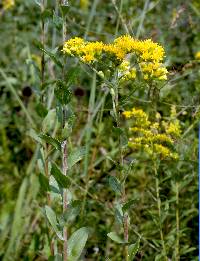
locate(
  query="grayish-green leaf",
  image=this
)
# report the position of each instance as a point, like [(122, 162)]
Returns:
[(53, 57), (44, 182), (62, 92), (115, 237), (133, 249), (119, 215), (51, 216), (62, 180), (58, 21), (128, 205), (49, 121), (114, 184), (75, 156), (77, 243), (54, 142), (72, 211)]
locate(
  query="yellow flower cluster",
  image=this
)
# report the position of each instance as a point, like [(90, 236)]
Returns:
[(156, 138), (125, 72), (7, 4), (153, 70), (147, 54)]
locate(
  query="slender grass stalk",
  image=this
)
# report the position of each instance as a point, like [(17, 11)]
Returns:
[(142, 19), (43, 43), (90, 17), (177, 256), (65, 200), (159, 211), (120, 17), (89, 126), (89, 123)]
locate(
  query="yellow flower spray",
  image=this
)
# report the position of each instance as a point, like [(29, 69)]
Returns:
[(149, 56), (156, 139)]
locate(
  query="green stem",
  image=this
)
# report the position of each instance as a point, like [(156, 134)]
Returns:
[(65, 200), (64, 150), (126, 235), (142, 18), (90, 17), (114, 93), (177, 257), (159, 211), (43, 42)]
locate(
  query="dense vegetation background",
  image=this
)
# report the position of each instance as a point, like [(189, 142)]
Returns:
[(23, 226)]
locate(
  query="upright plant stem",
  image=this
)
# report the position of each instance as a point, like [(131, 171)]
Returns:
[(126, 235), (43, 42), (46, 149), (159, 211), (65, 201), (123, 197), (64, 151), (177, 257)]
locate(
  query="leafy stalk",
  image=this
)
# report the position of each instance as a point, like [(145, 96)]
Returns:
[(114, 94), (64, 151)]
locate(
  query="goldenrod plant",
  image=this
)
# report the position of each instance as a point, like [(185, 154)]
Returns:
[(115, 60), (99, 108)]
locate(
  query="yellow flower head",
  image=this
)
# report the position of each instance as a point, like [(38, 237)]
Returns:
[(74, 46), (7, 4)]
